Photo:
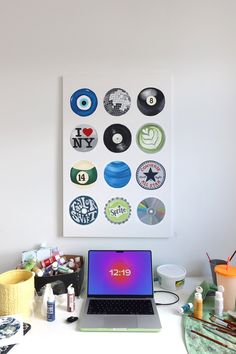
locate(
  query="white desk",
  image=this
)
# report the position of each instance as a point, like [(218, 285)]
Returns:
[(60, 337)]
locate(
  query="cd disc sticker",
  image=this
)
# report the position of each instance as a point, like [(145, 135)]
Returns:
[(84, 138), (151, 101), (150, 138), (83, 102), (150, 175), (117, 138), (117, 174), (83, 210), (117, 210), (151, 211), (117, 102), (83, 173)]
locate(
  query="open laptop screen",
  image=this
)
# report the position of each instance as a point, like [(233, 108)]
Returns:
[(120, 273)]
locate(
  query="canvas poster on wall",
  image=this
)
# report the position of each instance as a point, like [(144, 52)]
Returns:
[(116, 156)]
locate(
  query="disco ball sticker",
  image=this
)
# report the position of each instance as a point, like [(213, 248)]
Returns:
[(83, 173), (150, 138), (117, 174), (84, 138), (117, 210), (151, 211), (150, 175), (83, 210), (117, 102), (83, 102), (151, 101), (117, 138)]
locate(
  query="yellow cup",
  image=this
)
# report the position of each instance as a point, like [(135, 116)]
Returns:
[(226, 276), (16, 292)]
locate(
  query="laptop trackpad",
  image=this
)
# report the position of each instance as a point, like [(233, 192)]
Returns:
[(121, 322)]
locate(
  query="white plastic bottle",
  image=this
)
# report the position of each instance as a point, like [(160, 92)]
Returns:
[(70, 298), (51, 306), (219, 301)]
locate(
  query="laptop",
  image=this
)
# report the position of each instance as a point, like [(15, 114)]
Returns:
[(119, 293)]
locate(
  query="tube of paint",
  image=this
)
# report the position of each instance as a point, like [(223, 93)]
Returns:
[(185, 308), (62, 269)]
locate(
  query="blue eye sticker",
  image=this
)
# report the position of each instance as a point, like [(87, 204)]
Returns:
[(83, 102)]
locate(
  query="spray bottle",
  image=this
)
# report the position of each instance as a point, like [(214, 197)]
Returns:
[(51, 306), (198, 303), (219, 301), (70, 298)]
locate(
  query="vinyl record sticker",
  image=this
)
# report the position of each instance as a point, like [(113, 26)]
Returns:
[(83, 173), (117, 138), (83, 210), (83, 138), (150, 175), (117, 210), (117, 102), (83, 102), (151, 211), (150, 138), (117, 174), (151, 101)]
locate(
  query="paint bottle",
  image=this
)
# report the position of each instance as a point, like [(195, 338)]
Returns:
[(198, 303), (70, 298), (51, 306), (46, 262), (185, 308), (38, 272), (54, 270), (64, 270), (219, 301), (29, 265)]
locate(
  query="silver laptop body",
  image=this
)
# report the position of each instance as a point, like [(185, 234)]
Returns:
[(119, 275)]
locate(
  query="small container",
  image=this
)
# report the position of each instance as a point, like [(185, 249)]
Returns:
[(171, 276), (219, 301), (198, 303), (70, 298), (185, 308), (51, 307), (226, 276)]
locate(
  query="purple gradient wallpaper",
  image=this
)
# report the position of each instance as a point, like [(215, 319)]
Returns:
[(120, 273)]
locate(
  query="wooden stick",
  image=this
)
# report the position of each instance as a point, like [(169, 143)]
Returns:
[(212, 340)]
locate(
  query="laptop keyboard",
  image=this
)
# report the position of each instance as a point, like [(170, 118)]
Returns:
[(120, 307)]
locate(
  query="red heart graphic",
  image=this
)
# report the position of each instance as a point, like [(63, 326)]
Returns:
[(87, 131)]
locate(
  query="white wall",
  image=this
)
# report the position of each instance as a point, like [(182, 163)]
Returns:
[(194, 40)]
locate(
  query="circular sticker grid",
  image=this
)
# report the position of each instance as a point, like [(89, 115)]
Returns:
[(117, 102), (83, 102), (150, 175)]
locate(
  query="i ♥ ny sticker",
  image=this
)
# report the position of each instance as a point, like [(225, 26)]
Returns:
[(84, 138)]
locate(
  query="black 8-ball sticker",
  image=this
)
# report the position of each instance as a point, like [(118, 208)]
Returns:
[(150, 175), (151, 101)]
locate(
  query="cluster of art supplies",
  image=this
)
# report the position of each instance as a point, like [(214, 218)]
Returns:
[(47, 261)]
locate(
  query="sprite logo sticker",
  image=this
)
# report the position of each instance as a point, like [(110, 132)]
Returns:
[(117, 210)]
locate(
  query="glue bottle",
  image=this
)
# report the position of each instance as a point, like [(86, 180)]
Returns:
[(198, 303), (219, 301), (51, 306), (70, 298)]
